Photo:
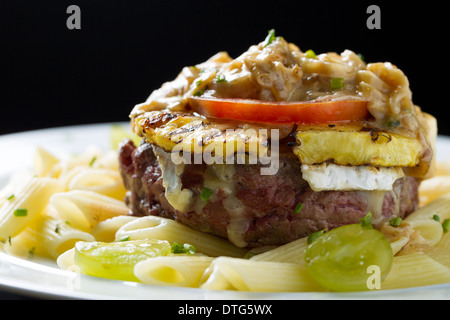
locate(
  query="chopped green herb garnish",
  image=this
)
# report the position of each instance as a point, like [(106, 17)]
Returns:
[(125, 238), (198, 93), (436, 218), (361, 57), (393, 124), (395, 222), (221, 78), (199, 82), (337, 83), (298, 208), (10, 197), (57, 228), (92, 161), (21, 212), (270, 37), (31, 252), (446, 225), (206, 194), (313, 236), (177, 248), (366, 221), (190, 249), (310, 54)]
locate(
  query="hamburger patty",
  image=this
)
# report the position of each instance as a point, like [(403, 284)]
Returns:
[(263, 211)]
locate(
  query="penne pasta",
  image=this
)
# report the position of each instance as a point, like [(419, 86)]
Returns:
[(293, 252), (440, 255), (442, 168), (84, 159), (6, 194), (85, 209), (106, 230), (45, 164), (48, 237), (398, 244), (414, 270), (28, 201), (152, 227), (66, 176), (59, 236), (260, 276), (104, 181), (422, 219), (433, 188), (66, 261), (181, 271), (108, 160), (445, 241)]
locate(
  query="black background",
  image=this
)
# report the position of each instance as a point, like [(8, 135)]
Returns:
[(53, 76)]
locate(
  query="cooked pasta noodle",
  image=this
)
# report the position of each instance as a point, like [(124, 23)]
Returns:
[(106, 230), (6, 194), (66, 261), (29, 199), (85, 209), (108, 160), (398, 244), (433, 188), (48, 237), (104, 181), (415, 270), (152, 227), (292, 252), (441, 255), (422, 219), (45, 164), (182, 271), (250, 275), (445, 241), (87, 158)]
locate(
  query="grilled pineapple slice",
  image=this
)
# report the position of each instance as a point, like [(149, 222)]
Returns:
[(195, 134), (342, 144), (356, 145)]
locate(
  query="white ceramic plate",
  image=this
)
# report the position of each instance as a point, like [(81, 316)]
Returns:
[(42, 278)]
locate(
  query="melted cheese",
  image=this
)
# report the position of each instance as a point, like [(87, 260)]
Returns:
[(217, 177), (375, 201), (178, 198), (329, 176), (220, 176)]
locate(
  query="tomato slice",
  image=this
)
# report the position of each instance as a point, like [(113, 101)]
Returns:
[(303, 112)]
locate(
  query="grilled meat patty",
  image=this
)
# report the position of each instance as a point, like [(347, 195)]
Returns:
[(251, 209)]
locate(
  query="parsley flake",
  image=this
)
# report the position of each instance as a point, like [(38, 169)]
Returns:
[(21, 212), (270, 37)]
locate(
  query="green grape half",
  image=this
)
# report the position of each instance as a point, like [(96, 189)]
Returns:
[(339, 259), (116, 260)]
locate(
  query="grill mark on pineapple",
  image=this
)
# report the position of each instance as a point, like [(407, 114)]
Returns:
[(186, 129), (380, 137), (205, 140)]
